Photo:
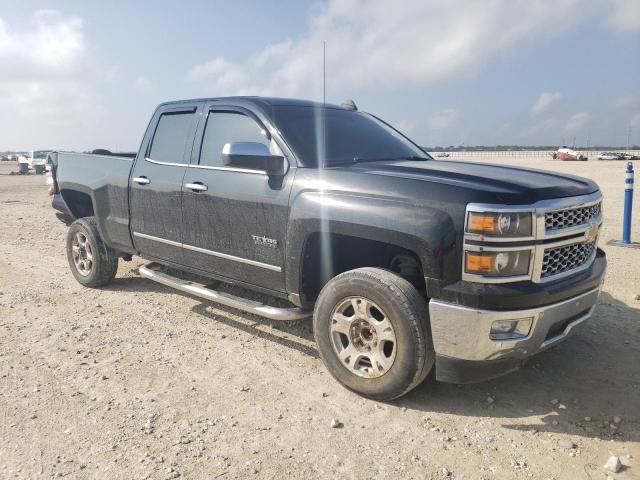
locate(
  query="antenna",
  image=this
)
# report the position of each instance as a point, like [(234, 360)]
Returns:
[(324, 70)]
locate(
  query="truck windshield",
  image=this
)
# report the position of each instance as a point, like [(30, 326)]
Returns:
[(327, 136)]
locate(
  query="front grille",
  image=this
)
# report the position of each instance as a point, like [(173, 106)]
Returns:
[(571, 217), (563, 259)]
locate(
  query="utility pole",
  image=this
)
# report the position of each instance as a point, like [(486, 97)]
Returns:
[(628, 137)]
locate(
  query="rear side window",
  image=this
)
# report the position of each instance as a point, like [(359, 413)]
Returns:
[(171, 137), (227, 127)]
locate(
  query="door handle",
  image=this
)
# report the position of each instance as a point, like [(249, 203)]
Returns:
[(196, 186), (142, 180)]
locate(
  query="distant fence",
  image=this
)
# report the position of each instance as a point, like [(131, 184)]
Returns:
[(524, 154)]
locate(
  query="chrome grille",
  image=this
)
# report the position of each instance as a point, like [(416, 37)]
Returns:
[(571, 217), (563, 259)]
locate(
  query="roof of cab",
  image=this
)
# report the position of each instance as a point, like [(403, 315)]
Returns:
[(261, 101)]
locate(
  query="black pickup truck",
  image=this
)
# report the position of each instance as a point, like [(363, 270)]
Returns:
[(407, 264)]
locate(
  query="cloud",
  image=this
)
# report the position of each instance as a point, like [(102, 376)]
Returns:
[(142, 82), (635, 121), (210, 69), (624, 101), (443, 118), (42, 64), (577, 121), (547, 125), (48, 82), (625, 15), (48, 44), (405, 125), (370, 44), (545, 100)]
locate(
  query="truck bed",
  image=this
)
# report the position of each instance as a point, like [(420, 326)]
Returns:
[(98, 182)]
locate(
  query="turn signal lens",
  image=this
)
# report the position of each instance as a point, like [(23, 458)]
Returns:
[(516, 224), (482, 223), (498, 264), (479, 263)]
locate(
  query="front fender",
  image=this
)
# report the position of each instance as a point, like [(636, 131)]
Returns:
[(426, 231)]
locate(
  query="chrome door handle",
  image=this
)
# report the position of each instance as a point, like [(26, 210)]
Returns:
[(196, 187), (142, 180)]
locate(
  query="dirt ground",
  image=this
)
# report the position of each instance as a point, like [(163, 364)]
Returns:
[(138, 381)]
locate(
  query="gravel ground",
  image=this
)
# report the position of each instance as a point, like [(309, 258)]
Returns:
[(139, 381)]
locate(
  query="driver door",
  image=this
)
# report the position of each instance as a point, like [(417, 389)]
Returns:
[(234, 219)]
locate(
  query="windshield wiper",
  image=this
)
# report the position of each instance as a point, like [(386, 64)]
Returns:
[(382, 159), (347, 162), (338, 163)]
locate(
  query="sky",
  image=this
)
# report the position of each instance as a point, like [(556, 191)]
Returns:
[(80, 75)]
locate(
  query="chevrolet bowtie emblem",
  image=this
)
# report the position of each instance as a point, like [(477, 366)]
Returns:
[(592, 233)]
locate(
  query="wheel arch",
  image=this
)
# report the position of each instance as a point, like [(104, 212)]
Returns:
[(318, 228), (79, 202)]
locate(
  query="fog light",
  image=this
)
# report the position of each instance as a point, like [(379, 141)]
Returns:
[(510, 329)]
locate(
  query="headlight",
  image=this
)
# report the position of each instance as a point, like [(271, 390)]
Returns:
[(514, 224), (498, 264)]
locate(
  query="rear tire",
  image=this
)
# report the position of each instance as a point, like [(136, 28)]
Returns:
[(92, 262), (372, 330)]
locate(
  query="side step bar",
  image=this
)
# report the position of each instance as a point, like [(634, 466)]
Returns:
[(152, 272)]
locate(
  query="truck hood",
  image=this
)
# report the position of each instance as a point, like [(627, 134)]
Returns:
[(506, 182)]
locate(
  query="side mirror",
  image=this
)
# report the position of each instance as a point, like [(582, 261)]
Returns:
[(254, 156)]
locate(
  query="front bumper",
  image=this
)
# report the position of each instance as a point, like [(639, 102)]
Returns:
[(466, 354)]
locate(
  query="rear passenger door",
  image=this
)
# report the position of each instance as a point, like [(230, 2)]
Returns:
[(156, 182), (234, 219)]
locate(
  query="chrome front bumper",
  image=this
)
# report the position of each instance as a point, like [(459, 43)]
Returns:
[(463, 333)]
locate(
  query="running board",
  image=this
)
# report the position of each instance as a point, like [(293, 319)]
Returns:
[(152, 272)]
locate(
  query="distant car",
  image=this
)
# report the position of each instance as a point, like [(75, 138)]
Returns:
[(629, 156), (568, 154), (38, 160), (442, 155), (23, 165), (610, 156)]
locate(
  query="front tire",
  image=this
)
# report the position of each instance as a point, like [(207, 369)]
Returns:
[(92, 262), (372, 331)]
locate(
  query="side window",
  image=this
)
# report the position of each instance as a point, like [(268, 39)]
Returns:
[(171, 137), (227, 127)]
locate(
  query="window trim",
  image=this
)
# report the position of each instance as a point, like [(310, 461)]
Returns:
[(206, 167)]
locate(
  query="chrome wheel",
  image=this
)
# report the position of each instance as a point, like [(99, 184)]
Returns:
[(363, 337), (82, 254)]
